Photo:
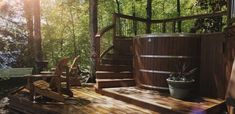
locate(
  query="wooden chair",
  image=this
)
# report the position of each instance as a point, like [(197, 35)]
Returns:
[(74, 72), (53, 88), (230, 95)]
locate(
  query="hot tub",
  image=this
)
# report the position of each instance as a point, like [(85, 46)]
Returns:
[(158, 55)]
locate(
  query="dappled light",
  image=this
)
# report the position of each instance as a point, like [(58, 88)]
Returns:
[(117, 56)]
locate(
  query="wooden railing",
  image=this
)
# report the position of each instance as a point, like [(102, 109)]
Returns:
[(125, 26), (158, 26), (97, 42)]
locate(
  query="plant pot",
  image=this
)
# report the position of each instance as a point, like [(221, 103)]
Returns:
[(180, 89)]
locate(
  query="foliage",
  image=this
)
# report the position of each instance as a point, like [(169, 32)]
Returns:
[(183, 74), (65, 25), (65, 30), (13, 36)]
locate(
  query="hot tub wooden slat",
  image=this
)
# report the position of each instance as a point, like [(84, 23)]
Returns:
[(155, 55)]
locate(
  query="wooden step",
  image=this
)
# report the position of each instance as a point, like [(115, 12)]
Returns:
[(107, 83), (116, 55), (114, 68), (113, 75), (119, 61), (163, 102)]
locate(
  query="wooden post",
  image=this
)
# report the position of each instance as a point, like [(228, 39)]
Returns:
[(93, 28), (179, 14), (119, 19), (149, 16), (173, 26), (230, 7), (134, 21), (164, 27), (115, 26)]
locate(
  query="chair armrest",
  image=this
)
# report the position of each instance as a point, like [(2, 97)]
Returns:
[(41, 76)]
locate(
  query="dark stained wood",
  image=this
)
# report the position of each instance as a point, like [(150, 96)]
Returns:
[(131, 17), (163, 103), (158, 56), (149, 16), (229, 12), (212, 72), (123, 46), (85, 101)]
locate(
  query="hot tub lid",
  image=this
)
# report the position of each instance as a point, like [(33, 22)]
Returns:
[(168, 35)]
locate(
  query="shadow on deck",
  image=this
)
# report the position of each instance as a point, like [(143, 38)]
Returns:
[(163, 103), (85, 101)]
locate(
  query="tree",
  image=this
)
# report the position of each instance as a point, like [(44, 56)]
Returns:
[(93, 23), (37, 31), (29, 19)]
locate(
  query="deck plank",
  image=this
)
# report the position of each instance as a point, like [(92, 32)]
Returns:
[(87, 102), (155, 100)]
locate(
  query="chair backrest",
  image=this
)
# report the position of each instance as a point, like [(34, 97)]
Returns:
[(74, 63), (60, 68)]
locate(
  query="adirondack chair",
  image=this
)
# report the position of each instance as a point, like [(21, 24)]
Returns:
[(53, 88), (230, 96), (74, 72)]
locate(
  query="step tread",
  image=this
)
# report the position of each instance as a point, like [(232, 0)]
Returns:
[(111, 72), (115, 80), (114, 65)]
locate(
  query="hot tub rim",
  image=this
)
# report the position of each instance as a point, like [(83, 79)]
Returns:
[(160, 35)]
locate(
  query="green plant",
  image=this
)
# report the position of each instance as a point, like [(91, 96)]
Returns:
[(183, 74)]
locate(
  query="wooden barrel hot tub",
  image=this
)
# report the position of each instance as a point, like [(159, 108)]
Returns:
[(156, 56)]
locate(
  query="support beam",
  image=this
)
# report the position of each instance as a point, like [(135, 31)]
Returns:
[(149, 16), (93, 28)]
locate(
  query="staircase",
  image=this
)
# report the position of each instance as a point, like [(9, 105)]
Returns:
[(115, 69)]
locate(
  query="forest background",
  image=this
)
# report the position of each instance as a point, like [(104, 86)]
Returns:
[(65, 25)]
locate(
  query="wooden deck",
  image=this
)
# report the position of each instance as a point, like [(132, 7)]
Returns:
[(85, 101), (163, 103)]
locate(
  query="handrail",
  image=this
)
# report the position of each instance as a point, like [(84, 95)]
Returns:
[(104, 30), (106, 51), (97, 42), (163, 21), (200, 16), (130, 17)]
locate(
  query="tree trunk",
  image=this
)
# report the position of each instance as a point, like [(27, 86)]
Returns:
[(179, 14), (29, 19), (93, 24), (37, 31), (149, 16)]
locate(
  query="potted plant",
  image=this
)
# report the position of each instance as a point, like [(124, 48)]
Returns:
[(181, 83)]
